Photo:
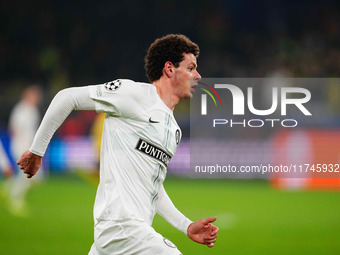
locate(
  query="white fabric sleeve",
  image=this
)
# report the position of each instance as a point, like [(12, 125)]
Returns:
[(170, 213), (124, 98), (67, 100)]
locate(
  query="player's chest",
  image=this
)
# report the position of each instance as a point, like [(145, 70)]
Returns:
[(160, 128)]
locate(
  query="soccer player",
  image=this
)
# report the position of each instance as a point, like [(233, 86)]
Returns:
[(23, 124), (140, 136)]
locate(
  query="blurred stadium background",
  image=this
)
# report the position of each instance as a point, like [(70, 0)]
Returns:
[(57, 44)]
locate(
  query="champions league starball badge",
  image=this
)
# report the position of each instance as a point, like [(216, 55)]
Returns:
[(113, 85)]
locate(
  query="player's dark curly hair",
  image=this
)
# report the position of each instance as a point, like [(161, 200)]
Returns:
[(168, 48)]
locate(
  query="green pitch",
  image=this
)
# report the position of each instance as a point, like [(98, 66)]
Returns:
[(253, 218)]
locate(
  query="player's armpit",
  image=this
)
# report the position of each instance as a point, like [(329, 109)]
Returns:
[(29, 163)]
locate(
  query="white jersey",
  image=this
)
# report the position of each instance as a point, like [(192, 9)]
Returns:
[(23, 123), (140, 136), (4, 161)]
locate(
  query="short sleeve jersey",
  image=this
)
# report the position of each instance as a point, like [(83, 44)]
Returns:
[(140, 136)]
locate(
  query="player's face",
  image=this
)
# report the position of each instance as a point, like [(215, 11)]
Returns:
[(186, 76)]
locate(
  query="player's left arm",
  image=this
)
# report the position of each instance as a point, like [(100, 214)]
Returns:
[(201, 231)]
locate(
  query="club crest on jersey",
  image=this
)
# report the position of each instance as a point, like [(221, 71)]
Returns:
[(113, 85), (169, 243), (178, 136)]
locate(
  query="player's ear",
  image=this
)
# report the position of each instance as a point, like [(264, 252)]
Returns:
[(169, 69)]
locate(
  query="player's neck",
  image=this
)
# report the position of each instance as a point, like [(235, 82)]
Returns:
[(166, 93)]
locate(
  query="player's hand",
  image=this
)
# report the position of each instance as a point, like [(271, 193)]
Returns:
[(203, 231), (29, 163)]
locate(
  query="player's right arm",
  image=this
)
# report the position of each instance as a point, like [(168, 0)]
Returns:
[(62, 105)]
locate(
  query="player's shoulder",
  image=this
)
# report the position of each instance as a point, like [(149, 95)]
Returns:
[(126, 83), (133, 88)]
